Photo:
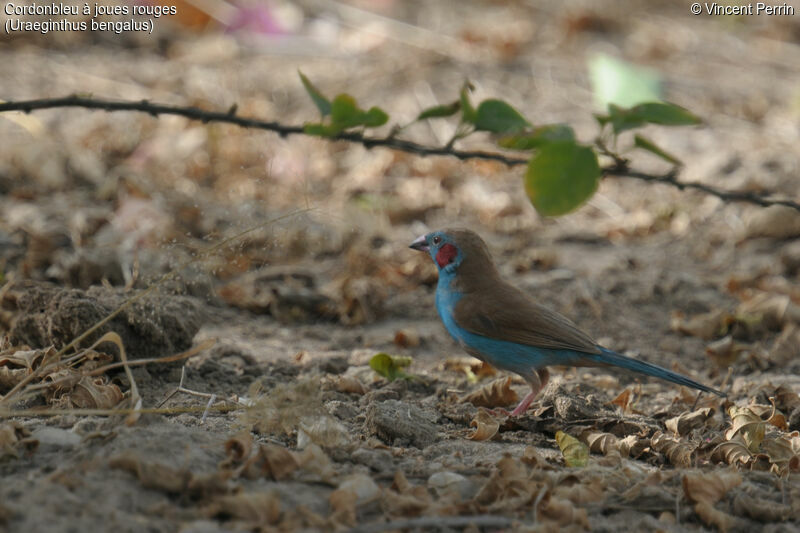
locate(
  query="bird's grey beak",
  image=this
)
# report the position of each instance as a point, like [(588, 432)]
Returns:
[(421, 244)]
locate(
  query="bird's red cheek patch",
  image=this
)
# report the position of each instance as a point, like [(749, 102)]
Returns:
[(446, 254)]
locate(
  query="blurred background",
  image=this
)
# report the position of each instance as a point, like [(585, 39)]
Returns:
[(88, 196)]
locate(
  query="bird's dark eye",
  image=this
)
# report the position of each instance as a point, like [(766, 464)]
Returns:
[(436, 239)]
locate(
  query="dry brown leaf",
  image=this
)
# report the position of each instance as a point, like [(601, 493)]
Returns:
[(748, 424), (257, 508), (686, 422), (400, 483), (532, 458), (572, 489), (705, 326), (508, 486), (770, 414), (343, 507), (14, 437), (633, 446), (349, 385), (713, 517), (709, 487), (404, 504), (95, 393), (773, 310), (406, 338), (576, 453), (271, 460), (496, 394), (563, 512), (734, 452), (61, 382), (323, 430), (783, 452), (761, 510), (486, 426), (678, 453), (314, 460), (786, 347), (725, 351), (785, 398), (624, 401), (155, 476), (239, 447), (600, 442)]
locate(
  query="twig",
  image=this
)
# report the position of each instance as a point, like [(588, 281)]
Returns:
[(618, 169), (436, 523)]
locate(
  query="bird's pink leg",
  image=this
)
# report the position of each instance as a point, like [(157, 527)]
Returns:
[(542, 375)]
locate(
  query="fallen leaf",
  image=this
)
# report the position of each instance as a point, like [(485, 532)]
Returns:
[(600, 442), (713, 517), (495, 394), (323, 430), (705, 326), (486, 426), (239, 447), (349, 385), (725, 351), (709, 487), (406, 338), (257, 508), (733, 452), (152, 475), (678, 453), (772, 310), (633, 446), (563, 512), (272, 461), (576, 453), (761, 510), (748, 424), (686, 422), (95, 393), (390, 367), (14, 437), (343, 507), (623, 401)]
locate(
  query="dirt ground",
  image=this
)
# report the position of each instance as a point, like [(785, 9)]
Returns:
[(301, 433)]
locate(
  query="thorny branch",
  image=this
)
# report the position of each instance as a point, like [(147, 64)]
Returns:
[(618, 169)]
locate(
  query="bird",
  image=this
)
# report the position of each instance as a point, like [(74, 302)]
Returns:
[(504, 327)]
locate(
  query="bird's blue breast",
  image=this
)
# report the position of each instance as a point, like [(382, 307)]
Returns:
[(519, 358)]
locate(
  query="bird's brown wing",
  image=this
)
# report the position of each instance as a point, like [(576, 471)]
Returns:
[(504, 312)]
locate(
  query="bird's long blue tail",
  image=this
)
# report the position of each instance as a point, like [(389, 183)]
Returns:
[(607, 357)]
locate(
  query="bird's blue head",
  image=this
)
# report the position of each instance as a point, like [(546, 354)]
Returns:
[(443, 247)]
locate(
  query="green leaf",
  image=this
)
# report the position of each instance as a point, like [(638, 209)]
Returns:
[(662, 113), (374, 117), (321, 130), (646, 144), (440, 111), (538, 137), (344, 112), (497, 116), (561, 176), (390, 367), (322, 103), (618, 82), (576, 453), (468, 113), (665, 114)]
